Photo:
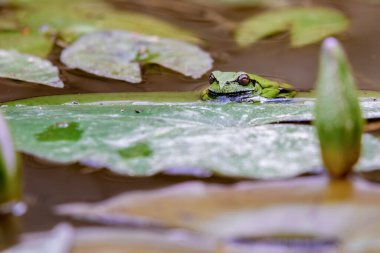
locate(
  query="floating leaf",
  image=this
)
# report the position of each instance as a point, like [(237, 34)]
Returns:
[(338, 116), (168, 97), (73, 18), (35, 44), (28, 68), (117, 54), (304, 215), (58, 240), (142, 138), (31, 26), (65, 239), (8, 21), (307, 25), (243, 3), (110, 98)]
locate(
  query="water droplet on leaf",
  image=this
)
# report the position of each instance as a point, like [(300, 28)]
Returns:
[(62, 124)]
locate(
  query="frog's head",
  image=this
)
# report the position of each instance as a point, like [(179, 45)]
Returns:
[(230, 84)]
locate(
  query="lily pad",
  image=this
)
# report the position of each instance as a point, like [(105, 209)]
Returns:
[(58, 240), (117, 54), (304, 215), (165, 97), (31, 26), (243, 3), (96, 98), (34, 44), (73, 18), (142, 138), (28, 68), (307, 25), (65, 239)]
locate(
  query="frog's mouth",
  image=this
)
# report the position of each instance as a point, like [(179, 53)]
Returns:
[(235, 94)]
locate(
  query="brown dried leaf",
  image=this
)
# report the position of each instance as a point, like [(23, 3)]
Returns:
[(65, 239), (336, 216)]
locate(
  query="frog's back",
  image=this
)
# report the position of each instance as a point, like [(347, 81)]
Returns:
[(285, 90)]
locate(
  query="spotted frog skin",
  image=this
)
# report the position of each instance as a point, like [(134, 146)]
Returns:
[(244, 87)]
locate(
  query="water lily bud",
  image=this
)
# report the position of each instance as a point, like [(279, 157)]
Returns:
[(10, 171), (338, 115)]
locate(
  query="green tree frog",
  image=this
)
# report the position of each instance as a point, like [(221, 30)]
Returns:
[(244, 87)]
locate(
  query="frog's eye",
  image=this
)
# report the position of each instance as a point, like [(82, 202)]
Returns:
[(211, 79), (244, 79)]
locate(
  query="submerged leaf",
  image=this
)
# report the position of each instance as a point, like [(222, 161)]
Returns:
[(307, 25), (304, 215), (117, 54), (147, 138), (28, 68)]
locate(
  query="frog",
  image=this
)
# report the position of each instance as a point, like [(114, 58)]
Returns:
[(245, 87)]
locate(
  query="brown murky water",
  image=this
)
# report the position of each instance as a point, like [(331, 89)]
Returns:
[(48, 184)]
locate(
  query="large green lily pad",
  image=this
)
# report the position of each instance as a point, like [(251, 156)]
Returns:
[(168, 97), (28, 68), (307, 25), (145, 138), (118, 54)]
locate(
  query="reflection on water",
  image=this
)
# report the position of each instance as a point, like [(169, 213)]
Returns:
[(282, 243), (9, 230)]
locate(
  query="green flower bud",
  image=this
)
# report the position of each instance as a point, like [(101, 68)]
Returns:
[(338, 115)]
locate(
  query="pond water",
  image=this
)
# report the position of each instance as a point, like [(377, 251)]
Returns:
[(48, 184)]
